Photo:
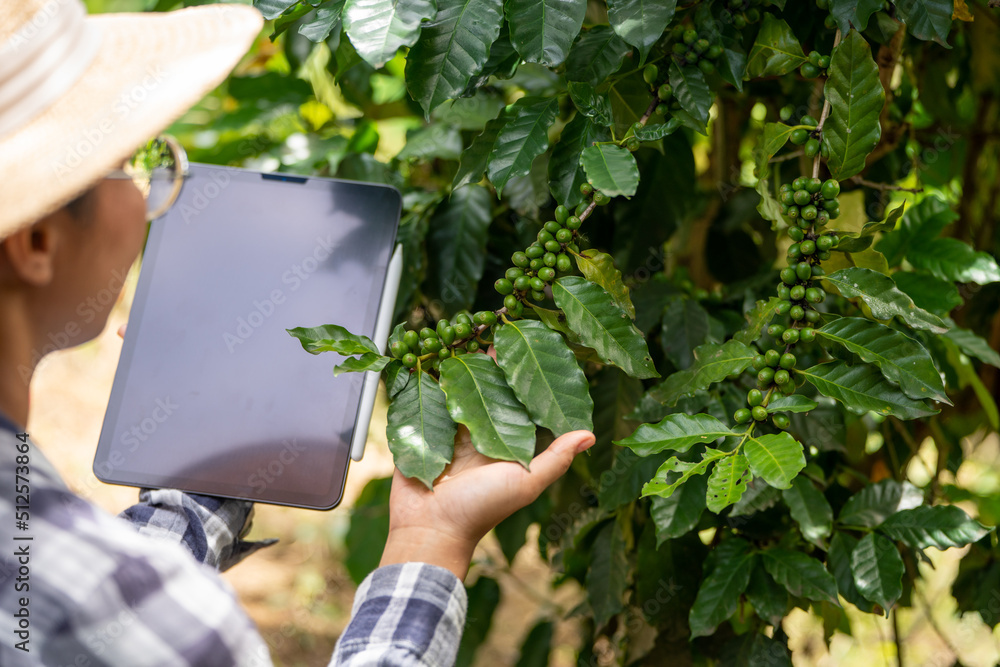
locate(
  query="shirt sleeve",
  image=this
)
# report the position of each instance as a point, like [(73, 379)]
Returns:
[(210, 528), (404, 615)]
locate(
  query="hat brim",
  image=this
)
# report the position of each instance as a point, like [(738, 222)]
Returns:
[(149, 70)]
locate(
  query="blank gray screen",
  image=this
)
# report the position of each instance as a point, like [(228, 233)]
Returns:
[(212, 395)]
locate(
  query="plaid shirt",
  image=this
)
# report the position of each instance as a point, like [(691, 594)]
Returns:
[(79, 587)]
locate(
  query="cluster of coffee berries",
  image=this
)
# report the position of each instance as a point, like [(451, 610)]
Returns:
[(811, 140), (809, 201), (815, 66), (465, 334), (547, 257), (690, 48), (741, 12)]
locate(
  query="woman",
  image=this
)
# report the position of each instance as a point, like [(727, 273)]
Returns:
[(78, 586)]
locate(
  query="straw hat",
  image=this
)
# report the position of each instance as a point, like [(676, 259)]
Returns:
[(79, 94)]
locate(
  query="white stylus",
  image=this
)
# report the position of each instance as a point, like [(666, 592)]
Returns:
[(383, 322)]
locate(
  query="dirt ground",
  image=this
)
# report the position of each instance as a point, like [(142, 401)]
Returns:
[(300, 596)]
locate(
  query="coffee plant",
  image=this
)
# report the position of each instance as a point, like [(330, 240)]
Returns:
[(735, 238)]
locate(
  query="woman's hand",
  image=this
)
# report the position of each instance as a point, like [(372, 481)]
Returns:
[(473, 494)]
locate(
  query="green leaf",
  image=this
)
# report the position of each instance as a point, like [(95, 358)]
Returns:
[(478, 397), (369, 361), (602, 325), (810, 509), (691, 91), (873, 504), (397, 377), (677, 432), (537, 646), (878, 570), (434, 141), (775, 137), (922, 223), (838, 559), (768, 599), (757, 320), (596, 55), (973, 345), (927, 19), (768, 652), (932, 294), (940, 526), (793, 403), (591, 103), (451, 50), (856, 98), (543, 30), (607, 577), (523, 138), (420, 431), (853, 13), (272, 9), (599, 268), (545, 376), (316, 27), (679, 513), (714, 363), (901, 359), (661, 485), (641, 22), (727, 482), (801, 575), (369, 529), (720, 591), (630, 99), (685, 327), (378, 28), (951, 259), (862, 388), (483, 599), (885, 301), (777, 458), (776, 50), (332, 338), (565, 173), (457, 241), (474, 160), (657, 131), (621, 483), (611, 169)]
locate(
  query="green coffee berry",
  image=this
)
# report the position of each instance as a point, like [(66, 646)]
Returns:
[(742, 416), (830, 189), (564, 236), (537, 284), (537, 296), (775, 330), (444, 353), (544, 237), (564, 264), (807, 335), (765, 377), (781, 421), (799, 136), (813, 316), (796, 313), (784, 292), (650, 74), (782, 308), (427, 332), (410, 360), (808, 213), (811, 149), (759, 413), (808, 247), (797, 293), (513, 273), (754, 397), (398, 349), (796, 234), (787, 361), (510, 302), (547, 274), (772, 358), (803, 270), (758, 362), (786, 112), (464, 330), (523, 283), (549, 259), (824, 243), (534, 251), (801, 197), (553, 246), (487, 317), (788, 276), (519, 259), (503, 286), (536, 264), (472, 346), (790, 336), (586, 189), (448, 335), (794, 251), (411, 339), (561, 214), (665, 92), (573, 222)]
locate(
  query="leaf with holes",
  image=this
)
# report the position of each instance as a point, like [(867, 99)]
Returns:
[(713, 363), (640, 22), (810, 509), (880, 294), (775, 457), (862, 388), (479, 397), (379, 28), (677, 432), (691, 91), (543, 30), (940, 526), (664, 486), (419, 429), (602, 325), (523, 138), (727, 482), (545, 376), (451, 50), (776, 50), (878, 570), (611, 169), (901, 359), (856, 98)]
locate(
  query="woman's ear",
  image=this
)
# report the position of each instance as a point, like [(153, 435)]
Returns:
[(31, 252)]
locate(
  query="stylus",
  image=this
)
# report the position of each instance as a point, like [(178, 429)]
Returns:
[(382, 323)]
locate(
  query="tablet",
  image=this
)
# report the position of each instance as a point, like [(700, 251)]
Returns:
[(212, 395)]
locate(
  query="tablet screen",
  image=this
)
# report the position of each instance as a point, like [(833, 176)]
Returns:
[(212, 395)]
